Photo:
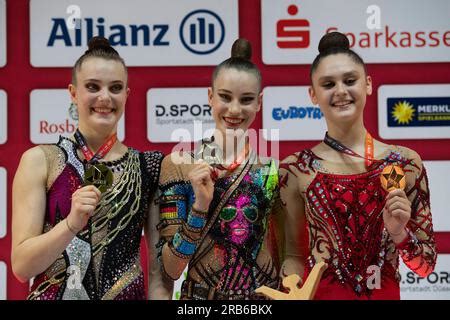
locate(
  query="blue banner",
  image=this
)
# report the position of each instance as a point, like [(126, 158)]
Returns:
[(418, 112)]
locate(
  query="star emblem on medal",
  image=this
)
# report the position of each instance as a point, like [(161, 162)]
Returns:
[(392, 177), (99, 176)]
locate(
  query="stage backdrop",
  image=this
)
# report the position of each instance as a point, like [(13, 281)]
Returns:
[(171, 48)]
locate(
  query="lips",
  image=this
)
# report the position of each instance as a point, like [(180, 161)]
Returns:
[(102, 110), (342, 103), (233, 122), (239, 231)]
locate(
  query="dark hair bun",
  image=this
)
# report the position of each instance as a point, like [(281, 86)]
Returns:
[(99, 43), (241, 49), (333, 40)]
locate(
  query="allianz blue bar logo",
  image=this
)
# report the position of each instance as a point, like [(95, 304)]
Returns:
[(201, 32), (418, 112)]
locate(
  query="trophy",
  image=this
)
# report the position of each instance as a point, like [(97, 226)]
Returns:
[(306, 292)]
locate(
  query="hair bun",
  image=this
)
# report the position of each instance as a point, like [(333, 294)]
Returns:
[(241, 49), (97, 42), (333, 40)]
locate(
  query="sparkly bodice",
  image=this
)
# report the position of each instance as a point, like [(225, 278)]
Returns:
[(98, 257), (239, 253), (349, 207), (345, 226)]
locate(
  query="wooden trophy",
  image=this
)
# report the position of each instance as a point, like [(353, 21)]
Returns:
[(306, 292)]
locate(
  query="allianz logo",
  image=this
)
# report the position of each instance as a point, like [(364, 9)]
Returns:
[(117, 34), (200, 32), (296, 112)]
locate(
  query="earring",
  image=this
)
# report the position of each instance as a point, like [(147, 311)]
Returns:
[(73, 111)]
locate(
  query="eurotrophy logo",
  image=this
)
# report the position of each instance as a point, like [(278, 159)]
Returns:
[(403, 112)]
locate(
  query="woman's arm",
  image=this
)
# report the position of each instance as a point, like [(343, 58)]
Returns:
[(418, 248), (159, 287), (32, 251), (294, 223), (181, 220)]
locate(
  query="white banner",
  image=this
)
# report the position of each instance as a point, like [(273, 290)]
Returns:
[(3, 117), (290, 110), (439, 184), (419, 111), (50, 117), (3, 202), (436, 286), (178, 114), (381, 31), (2, 33), (3, 280), (145, 33)]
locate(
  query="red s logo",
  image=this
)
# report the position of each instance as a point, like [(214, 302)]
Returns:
[(295, 29)]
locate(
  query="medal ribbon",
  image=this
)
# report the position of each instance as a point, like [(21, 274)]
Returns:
[(236, 163), (368, 150), (101, 152)]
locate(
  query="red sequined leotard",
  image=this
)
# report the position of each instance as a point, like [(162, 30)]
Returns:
[(342, 224)]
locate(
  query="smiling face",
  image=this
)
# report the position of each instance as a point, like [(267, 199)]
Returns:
[(237, 220), (235, 99), (340, 87), (100, 94)]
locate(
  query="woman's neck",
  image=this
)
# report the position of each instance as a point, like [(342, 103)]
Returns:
[(352, 137), (95, 139), (232, 146)]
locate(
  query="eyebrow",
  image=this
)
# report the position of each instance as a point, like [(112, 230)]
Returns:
[(346, 74), (224, 90), (97, 80), (230, 92)]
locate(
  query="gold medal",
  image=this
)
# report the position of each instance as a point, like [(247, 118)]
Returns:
[(393, 178), (99, 176)]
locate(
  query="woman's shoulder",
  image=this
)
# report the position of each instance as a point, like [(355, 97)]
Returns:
[(36, 153), (267, 161), (40, 153), (301, 159), (178, 158), (299, 164), (291, 158), (176, 166), (406, 154), (152, 162), (408, 159), (35, 161), (151, 156)]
